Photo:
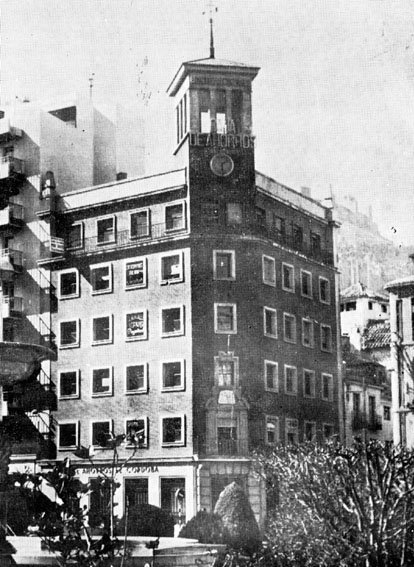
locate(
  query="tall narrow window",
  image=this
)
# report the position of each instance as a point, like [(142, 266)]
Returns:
[(101, 432), (68, 284), (221, 111), (205, 112), (326, 338), (270, 322), (324, 291), (309, 431), (136, 325), (234, 213), (101, 278), (315, 240), (307, 333), (226, 369), (289, 328), (102, 330), (225, 318), (139, 224), (136, 378), (174, 217), (75, 236), (327, 387), (105, 230), (291, 379), (68, 434), (306, 283), (271, 377), (297, 234), (237, 110), (224, 265), (288, 277), (292, 431), (272, 430), (308, 383), (269, 270)]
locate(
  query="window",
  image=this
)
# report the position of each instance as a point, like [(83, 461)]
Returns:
[(350, 306), (210, 212), (226, 369), (204, 109), (68, 384), (136, 378), (105, 230), (269, 270), (173, 431), (68, 284), (326, 338), (271, 376), (307, 333), (101, 433), (270, 322), (101, 278), (288, 277), (136, 326), (224, 265), (69, 334), (139, 224), (135, 273), (102, 330), (225, 318), (306, 283), (297, 234), (260, 217), (324, 291), (136, 431), (272, 430), (102, 382), (174, 217), (370, 305), (308, 383), (327, 430), (171, 268), (172, 321), (315, 241), (292, 431), (227, 440), (221, 110), (356, 402), (234, 213), (327, 387), (173, 375), (68, 435), (383, 308), (75, 236), (291, 380), (372, 413), (309, 431), (387, 413), (236, 110), (279, 226), (289, 328)]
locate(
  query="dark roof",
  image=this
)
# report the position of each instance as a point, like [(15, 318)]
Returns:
[(377, 334), (357, 290)]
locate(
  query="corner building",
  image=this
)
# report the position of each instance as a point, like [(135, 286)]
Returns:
[(199, 305)]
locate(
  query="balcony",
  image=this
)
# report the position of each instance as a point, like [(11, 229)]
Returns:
[(11, 168), (13, 257), (361, 420), (7, 132), (11, 218), (11, 307)]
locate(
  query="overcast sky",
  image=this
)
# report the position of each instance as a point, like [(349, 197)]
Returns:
[(333, 103)]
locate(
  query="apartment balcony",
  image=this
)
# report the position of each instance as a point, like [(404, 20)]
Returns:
[(11, 218), (11, 168), (11, 307), (223, 447), (362, 420), (8, 132), (11, 263)]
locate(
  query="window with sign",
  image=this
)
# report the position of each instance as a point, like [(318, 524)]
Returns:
[(69, 334), (139, 224), (68, 384), (173, 375), (136, 325), (270, 322), (171, 268), (174, 217), (101, 278), (173, 431), (225, 318), (68, 435), (69, 284), (136, 379), (102, 382), (224, 264), (105, 229), (271, 376), (135, 273), (291, 380)]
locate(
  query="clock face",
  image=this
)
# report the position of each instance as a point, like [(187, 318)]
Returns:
[(221, 164)]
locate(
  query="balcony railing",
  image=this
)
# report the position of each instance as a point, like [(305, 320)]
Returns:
[(15, 257), (362, 420), (12, 307), (122, 238), (12, 215), (11, 167)]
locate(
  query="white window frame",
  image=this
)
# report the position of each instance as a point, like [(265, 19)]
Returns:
[(148, 232), (182, 441), (142, 390), (234, 309), (142, 337), (312, 334), (290, 428), (110, 277), (266, 258), (110, 392), (111, 330), (312, 395), (145, 419), (294, 392), (67, 447), (175, 204), (74, 396), (325, 301), (232, 254), (77, 343), (180, 278), (82, 236), (276, 421), (181, 386), (226, 357), (181, 330), (303, 274), (63, 273), (113, 240), (330, 396), (313, 424), (274, 312), (142, 259), (292, 271), (325, 326), (91, 430), (275, 365), (287, 316)]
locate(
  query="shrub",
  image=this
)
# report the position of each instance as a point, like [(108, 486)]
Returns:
[(147, 520), (242, 531), (205, 527)]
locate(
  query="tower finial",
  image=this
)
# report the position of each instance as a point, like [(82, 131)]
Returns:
[(211, 10)]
